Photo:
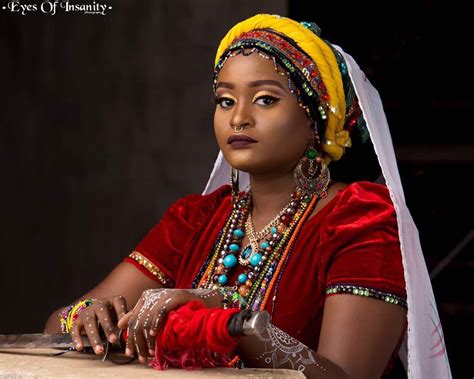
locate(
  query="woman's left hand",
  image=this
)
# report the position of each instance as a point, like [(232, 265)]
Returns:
[(147, 317)]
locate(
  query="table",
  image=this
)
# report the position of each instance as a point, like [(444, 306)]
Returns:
[(37, 363)]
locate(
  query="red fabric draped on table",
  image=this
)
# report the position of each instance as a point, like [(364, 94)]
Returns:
[(352, 241)]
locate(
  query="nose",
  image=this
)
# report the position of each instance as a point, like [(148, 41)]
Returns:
[(241, 116)]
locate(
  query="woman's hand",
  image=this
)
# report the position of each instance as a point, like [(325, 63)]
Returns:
[(149, 314), (103, 312)]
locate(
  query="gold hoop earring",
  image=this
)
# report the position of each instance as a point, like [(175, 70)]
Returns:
[(234, 179), (312, 174)]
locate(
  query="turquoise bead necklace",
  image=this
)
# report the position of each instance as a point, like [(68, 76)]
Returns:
[(259, 258)]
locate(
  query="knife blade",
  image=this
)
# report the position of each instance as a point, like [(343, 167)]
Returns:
[(62, 341), (39, 340)]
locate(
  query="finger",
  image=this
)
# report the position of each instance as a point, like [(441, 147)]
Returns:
[(140, 343), (136, 343), (76, 334), (160, 315), (120, 305), (90, 326), (127, 321), (105, 321), (124, 321), (131, 348), (128, 351), (149, 339)]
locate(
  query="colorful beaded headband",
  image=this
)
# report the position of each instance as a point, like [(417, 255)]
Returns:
[(310, 89)]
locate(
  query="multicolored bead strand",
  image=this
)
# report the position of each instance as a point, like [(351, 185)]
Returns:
[(202, 281), (249, 290), (306, 214), (252, 286)]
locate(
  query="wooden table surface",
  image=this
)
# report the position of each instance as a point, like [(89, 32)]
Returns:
[(39, 364)]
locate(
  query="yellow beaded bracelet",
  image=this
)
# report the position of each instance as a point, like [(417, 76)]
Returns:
[(69, 314)]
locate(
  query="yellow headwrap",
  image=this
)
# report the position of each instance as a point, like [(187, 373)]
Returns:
[(335, 137)]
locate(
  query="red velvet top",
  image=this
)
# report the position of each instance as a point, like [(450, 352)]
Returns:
[(353, 240)]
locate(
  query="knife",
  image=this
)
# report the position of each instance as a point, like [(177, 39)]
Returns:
[(243, 323), (63, 341)]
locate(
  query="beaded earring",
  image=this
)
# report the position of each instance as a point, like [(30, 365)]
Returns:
[(234, 179), (311, 174)]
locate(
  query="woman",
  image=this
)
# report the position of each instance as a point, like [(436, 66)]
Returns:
[(323, 257)]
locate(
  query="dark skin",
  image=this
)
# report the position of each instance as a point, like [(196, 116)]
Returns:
[(125, 281), (358, 334)]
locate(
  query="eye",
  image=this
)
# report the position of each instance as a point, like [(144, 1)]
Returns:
[(224, 102), (266, 100)]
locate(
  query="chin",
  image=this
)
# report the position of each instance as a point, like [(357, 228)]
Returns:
[(245, 165), (241, 166), (247, 161), (256, 167), (238, 158)]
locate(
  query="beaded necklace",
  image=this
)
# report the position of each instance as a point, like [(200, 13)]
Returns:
[(261, 262), (254, 237)]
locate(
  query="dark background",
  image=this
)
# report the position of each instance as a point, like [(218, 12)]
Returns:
[(106, 120)]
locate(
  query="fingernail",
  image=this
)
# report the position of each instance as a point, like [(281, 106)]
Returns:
[(112, 338), (128, 351)]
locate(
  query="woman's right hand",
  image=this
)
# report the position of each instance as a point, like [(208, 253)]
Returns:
[(102, 313)]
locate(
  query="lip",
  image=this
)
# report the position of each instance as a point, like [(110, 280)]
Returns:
[(238, 141)]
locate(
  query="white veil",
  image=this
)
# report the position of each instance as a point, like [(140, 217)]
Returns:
[(423, 351)]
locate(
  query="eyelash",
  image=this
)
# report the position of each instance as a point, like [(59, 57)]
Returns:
[(219, 100)]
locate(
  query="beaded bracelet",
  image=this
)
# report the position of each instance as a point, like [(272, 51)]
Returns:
[(69, 314)]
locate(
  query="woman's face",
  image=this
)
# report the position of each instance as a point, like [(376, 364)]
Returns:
[(251, 95)]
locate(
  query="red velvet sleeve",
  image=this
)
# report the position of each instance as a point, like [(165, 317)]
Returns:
[(160, 252), (361, 245)]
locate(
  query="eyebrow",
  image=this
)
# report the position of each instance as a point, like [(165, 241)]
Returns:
[(256, 83)]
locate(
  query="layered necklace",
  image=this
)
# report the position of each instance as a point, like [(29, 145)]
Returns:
[(262, 258)]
